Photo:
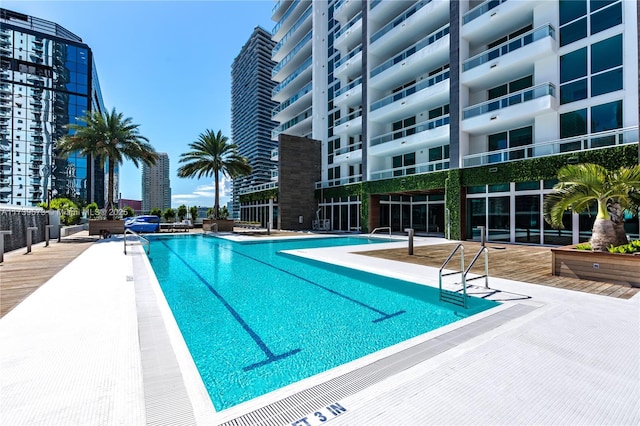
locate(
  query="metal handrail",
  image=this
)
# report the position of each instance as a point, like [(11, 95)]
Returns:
[(380, 229), (141, 240), (461, 272), (486, 267)]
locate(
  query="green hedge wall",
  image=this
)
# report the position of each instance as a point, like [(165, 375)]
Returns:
[(260, 195), (452, 203)]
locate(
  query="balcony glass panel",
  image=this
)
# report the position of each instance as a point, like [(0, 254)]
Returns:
[(444, 75), (399, 20), (546, 89), (509, 46), (284, 126), (293, 29), (339, 181), (410, 130), (347, 149), (349, 117), (349, 55), (348, 25), (431, 166), (481, 10), (291, 54), (306, 89), (276, 27), (430, 39), (374, 3), (348, 87), (306, 64)]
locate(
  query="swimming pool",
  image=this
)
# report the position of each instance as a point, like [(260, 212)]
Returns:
[(256, 320)]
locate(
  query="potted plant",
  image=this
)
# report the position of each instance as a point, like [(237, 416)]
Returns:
[(609, 255)]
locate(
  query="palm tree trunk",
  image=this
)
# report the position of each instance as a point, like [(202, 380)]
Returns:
[(216, 207), (110, 210), (603, 234)]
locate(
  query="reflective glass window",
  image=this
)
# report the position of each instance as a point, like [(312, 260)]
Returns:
[(607, 18), (606, 82), (573, 123), (573, 65), (571, 9), (606, 54), (606, 116), (573, 32), (574, 91), (599, 4), (528, 218)]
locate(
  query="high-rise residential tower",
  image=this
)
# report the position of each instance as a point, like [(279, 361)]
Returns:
[(447, 116), (156, 184), (48, 78), (251, 111)]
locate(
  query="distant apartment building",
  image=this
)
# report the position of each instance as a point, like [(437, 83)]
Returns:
[(156, 184), (251, 112), (48, 78), (447, 116)]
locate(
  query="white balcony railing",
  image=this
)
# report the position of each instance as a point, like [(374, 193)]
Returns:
[(416, 169), (480, 10), (410, 130), (545, 89), (560, 146), (339, 181)]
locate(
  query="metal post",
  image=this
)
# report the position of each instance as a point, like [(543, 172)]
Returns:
[(46, 234), (59, 232), (482, 235), (2, 234), (30, 237), (410, 231), (268, 228)]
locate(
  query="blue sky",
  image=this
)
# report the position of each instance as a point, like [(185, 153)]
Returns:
[(167, 65)]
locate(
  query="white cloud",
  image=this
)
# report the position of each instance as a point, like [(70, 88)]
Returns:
[(204, 195)]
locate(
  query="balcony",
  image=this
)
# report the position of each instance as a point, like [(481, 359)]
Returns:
[(350, 124), (348, 154), (299, 96), (274, 174), (302, 123), (430, 52), (409, 27), (297, 78), (349, 65), (284, 23), (274, 154), (293, 59), (349, 95), (416, 169), (556, 147), (343, 9), (513, 58), (258, 188), (350, 34), (421, 96), (338, 182), (510, 110), (432, 132), (278, 53), (494, 18)]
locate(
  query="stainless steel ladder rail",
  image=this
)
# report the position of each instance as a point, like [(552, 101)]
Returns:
[(141, 241), (452, 296), (380, 229), (486, 267)]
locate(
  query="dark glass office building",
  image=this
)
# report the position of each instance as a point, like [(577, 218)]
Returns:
[(48, 79)]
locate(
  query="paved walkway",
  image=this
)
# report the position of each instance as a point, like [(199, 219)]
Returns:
[(71, 354)]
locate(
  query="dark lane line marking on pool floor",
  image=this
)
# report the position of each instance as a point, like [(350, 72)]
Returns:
[(271, 357), (385, 315)]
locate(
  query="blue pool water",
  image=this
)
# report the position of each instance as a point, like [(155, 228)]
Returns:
[(256, 320)]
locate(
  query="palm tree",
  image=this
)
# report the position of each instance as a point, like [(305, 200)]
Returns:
[(210, 155), (108, 137), (582, 186)]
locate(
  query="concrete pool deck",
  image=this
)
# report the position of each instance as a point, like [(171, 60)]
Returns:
[(82, 349)]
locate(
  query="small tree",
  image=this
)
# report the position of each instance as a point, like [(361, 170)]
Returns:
[(92, 211), (169, 214), (224, 212), (129, 212), (193, 211), (69, 211), (156, 212), (182, 212)]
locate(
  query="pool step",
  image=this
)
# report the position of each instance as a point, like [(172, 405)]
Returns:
[(453, 297)]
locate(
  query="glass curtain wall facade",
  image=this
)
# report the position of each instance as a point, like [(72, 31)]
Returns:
[(48, 80), (251, 123), (407, 94)]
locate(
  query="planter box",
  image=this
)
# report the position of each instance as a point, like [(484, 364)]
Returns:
[(112, 226), (224, 225), (596, 266)]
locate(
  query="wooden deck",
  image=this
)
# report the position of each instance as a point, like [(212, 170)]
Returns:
[(531, 264), (21, 274)]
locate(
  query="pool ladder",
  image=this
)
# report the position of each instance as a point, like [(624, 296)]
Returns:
[(388, 228), (455, 297), (142, 241)]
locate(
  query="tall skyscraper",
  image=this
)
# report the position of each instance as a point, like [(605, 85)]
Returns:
[(48, 78), (445, 116), (251, 112), (156, 184)]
